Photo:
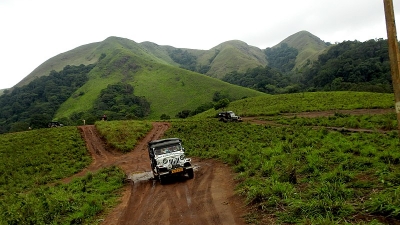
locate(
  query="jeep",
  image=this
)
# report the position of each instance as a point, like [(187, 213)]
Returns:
[(167, 158), (228, 116), (54, 124)]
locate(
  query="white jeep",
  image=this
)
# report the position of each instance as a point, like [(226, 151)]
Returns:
[(167, 158)]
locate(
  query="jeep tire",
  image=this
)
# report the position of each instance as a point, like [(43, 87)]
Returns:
[(162, 179), (190, 173)]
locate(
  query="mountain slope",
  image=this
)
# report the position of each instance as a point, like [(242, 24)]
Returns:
[(84, 54), (224, 58), (308, 45), (234, 56), (168, 88), (217, 62)]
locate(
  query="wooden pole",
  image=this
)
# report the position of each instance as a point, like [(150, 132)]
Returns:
[(393, 55)]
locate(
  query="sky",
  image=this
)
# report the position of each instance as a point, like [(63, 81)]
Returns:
[(31, 32)]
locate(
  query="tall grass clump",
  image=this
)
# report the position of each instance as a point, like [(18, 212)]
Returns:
[(303, 175), (123, 135)]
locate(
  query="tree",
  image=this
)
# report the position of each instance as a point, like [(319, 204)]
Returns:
[(223, 103), (183, 114), (165, 117)]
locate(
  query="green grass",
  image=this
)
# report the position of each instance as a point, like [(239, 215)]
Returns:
[(123, 135), (168, 89), (267, 105), (78, 202), (373, 122), (233, 56), (308, 45), (38, 157), (32, 164), (303, 175)]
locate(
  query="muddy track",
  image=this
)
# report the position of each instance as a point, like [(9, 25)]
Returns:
[(208, 198)]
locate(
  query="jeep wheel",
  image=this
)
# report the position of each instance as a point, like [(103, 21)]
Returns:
[(162, 179), (190, 173)]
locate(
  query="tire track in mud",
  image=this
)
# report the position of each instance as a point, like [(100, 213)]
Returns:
[(179, 201), (205, 199)]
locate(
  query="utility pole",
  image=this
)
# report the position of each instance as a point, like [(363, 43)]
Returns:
[(394, 55)]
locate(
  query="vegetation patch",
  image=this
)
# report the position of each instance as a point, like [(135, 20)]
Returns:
[(33, 162), (304, 175), (34, 158), (123, 135), (81, 201), (35, 104), (374, 122), (268, 105)]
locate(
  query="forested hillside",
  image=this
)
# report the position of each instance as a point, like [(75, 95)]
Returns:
[(350, 65), (35, 104)]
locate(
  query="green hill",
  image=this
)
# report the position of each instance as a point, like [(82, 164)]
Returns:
[(308, 45), (217, 62), (235, 56), (230, 56), (168, 88), (85, 54)]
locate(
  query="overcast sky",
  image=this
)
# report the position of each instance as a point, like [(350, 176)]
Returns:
[(34, 31)]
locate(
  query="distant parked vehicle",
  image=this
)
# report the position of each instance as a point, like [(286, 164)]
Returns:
[(54, 124), (167, 157), (229, 116)]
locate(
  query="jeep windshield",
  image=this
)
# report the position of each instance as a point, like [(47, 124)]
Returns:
[(167, 149)]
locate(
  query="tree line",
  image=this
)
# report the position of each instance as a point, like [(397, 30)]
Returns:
[(350, 65), (34, 105)]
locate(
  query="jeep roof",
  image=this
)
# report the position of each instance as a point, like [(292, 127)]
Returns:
[(164, 142)]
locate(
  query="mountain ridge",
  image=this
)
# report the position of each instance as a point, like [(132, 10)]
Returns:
[(229, 56)]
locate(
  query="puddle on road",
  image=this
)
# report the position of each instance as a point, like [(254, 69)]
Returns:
[(136, 177), (196, 167), (145, 176)]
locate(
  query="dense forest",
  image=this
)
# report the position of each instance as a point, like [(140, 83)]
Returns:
[(119, 102), (34, 105), (350, 65), (282, 57), (188, 61)]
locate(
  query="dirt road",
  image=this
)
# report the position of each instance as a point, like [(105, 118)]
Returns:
[(207, 199)]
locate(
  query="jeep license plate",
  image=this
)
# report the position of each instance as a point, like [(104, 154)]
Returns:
[(177, 170)]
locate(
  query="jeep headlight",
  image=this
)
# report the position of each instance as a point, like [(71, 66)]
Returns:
[(165, 161)]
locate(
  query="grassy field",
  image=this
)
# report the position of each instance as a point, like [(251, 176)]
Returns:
[(32, 164), (38, 157), (385, 122), (304, 175), (295, 174), (267, 105)]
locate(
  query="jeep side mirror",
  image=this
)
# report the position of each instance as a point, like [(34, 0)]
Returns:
[(183, 149)]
